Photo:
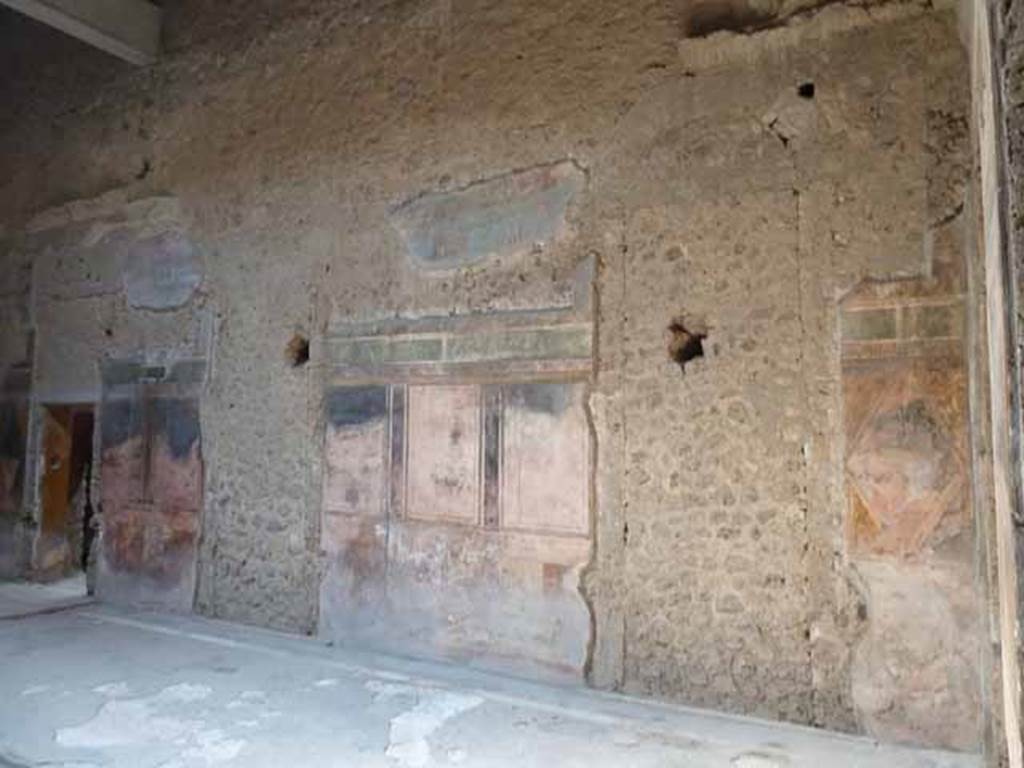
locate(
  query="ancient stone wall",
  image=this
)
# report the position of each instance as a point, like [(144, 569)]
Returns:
[(731, 489), (1003, 142), (416, 161)]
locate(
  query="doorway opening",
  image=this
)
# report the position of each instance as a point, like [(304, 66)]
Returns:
[(67, 524)]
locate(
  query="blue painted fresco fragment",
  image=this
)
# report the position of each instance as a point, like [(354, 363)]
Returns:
[(502, 216), (161, 272)]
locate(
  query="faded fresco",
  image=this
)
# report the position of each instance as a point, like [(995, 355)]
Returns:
[(354, 522), (909, 523), (152, 485), (906, 466), (501, 216), (545, 459), (471, 544), (355, 477), (443, 471)]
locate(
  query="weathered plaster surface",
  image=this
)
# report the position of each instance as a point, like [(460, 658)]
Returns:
[(456, 512), (1002, 146), (721, 573), (90, 262), (151, 485), (494, 218)]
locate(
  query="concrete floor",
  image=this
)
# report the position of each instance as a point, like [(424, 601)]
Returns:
[(91, 685), (25, 599)]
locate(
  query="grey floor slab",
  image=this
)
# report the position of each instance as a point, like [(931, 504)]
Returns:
[(24, 598), (94, 686)]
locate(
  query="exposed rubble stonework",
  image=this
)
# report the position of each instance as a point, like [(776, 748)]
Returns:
[(439, 273)]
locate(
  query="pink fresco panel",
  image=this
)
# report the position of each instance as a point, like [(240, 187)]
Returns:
[(545, 458), (355, 463), (355, 474), (443, 481)]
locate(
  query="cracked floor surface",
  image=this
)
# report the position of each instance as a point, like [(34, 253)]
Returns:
[(90, 685)]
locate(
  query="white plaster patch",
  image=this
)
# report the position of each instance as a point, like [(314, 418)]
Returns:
[(327, 682), (625, 739), (759, 760), (152, 720), (383, 690), (408, 744), (119, 688), (213, 747), (35, 690), (257, 708), (184, 692), (122, 723), (248, 699)]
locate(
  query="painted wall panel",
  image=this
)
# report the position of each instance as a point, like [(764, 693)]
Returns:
[(355, 476), (909, 524), (545, 458), (906, 465), (411, 563), (444, 453), (152, 487)]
